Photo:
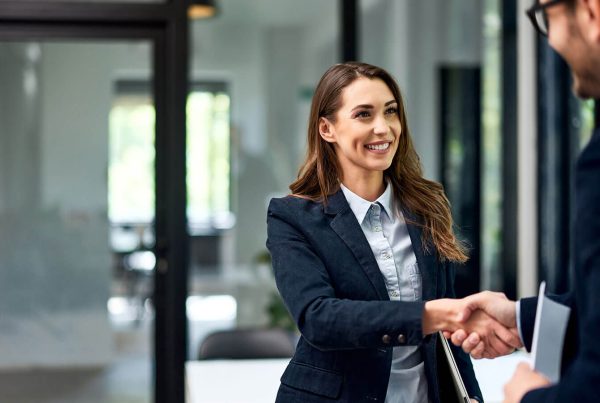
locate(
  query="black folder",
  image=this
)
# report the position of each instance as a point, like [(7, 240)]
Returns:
[(451, 386)]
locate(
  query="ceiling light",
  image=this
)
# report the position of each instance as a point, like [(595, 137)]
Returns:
[(199, 9)]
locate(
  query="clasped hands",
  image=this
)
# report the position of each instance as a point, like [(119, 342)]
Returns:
[(483, 324)]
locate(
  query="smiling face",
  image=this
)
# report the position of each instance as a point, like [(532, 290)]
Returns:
[(366, 130)]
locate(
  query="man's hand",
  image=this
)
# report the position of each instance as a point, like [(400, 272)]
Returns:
[(523, 380), (494, 304), (497, 306), (493, 338)]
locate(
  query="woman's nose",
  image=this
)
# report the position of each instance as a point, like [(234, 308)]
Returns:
[(381, 126)]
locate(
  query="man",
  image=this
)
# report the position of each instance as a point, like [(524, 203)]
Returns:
[(573, 30)]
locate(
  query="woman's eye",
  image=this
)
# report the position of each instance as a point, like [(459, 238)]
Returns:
[(391, 111), (362, 114)]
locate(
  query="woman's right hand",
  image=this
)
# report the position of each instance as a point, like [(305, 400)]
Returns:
[(458, 316)]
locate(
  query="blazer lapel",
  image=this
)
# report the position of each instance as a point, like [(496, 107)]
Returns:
[(347, 227), (426, 261)]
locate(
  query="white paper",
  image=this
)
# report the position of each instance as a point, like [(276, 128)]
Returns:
[(551, 321)]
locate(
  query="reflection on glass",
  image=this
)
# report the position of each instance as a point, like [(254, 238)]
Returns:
[(76, 312)]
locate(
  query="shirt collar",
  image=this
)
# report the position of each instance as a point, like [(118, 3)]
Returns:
[(360, 206)]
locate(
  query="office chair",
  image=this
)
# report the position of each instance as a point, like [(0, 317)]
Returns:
[(247, 343)]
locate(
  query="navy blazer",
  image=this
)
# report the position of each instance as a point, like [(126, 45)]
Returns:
[(330, 282), (580, 379)]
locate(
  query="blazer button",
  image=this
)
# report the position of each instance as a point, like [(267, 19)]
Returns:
[(401, 339), (386, 339)]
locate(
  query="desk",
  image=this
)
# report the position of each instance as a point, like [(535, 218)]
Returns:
[(493, 374), (233, 381), (256, 381)]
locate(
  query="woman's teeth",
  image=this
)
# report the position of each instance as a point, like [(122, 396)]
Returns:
[(378, 147)]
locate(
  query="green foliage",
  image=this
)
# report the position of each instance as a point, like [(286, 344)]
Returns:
[(279, 315)]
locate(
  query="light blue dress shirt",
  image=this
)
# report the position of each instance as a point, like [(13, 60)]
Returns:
[(385, 229)]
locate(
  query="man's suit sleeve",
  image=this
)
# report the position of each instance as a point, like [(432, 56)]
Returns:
[(528, 309), (581, 355)]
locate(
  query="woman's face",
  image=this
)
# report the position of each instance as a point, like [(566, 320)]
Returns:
[(366, 130)]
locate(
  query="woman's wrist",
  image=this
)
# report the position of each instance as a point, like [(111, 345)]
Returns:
[(440, 314)]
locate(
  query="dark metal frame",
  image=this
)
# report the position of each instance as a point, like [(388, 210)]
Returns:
[(349, 30), (166, 26), (509, 149), (465, 81)]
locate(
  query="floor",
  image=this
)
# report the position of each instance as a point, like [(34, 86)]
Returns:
[(127, 380)]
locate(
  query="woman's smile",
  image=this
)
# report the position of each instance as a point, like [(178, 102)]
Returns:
[(379, 147)]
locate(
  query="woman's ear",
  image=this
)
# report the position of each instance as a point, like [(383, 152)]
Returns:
[(326, 130)]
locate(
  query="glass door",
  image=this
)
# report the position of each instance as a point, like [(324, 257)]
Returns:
[(77, 209)]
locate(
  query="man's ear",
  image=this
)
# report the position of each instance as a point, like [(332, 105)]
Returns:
[(326, 130), (591, 9)]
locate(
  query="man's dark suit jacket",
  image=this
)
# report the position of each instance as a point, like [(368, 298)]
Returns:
[(580, 378), (329, 279)]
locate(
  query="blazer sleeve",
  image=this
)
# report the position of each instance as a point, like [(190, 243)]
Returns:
[(580, 373), (527, 318), (463, 360), (326, 321)]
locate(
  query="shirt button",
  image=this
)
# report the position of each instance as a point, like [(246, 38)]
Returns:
[(386, 256), (377, 229), (401, 339), (386, 339)]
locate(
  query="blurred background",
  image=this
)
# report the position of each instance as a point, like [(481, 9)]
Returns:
[(140, 146)]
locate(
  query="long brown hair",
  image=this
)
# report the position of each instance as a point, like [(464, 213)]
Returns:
[(318, 175)]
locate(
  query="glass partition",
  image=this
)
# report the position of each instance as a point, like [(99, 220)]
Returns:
[(76, 212)]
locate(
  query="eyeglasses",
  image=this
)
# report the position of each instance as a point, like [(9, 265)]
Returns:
[(538, 17)]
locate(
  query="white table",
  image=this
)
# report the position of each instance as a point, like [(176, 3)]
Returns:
[(256, 381), (493, 374), (233, 381)]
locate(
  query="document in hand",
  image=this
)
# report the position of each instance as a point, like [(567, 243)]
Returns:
[(549, 329), (451, 385)]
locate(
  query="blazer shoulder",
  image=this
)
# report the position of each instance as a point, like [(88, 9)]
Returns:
[(293, 205)]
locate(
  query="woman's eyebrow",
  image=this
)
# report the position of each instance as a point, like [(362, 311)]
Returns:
[(369, 106)]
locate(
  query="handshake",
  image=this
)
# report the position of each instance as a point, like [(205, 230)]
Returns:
[(483, 324)]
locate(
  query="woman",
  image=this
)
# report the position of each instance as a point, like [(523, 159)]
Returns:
[(359, 246)]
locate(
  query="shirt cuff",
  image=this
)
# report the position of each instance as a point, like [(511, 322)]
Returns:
[(518, 318)]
